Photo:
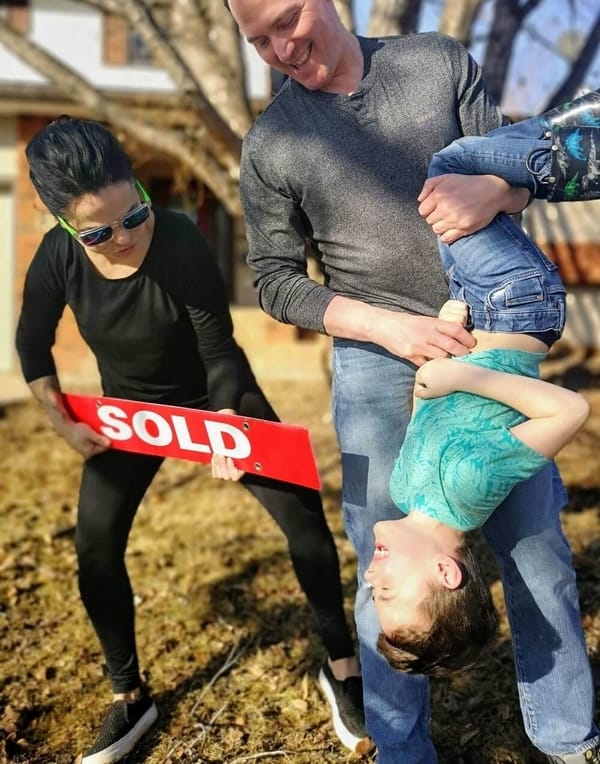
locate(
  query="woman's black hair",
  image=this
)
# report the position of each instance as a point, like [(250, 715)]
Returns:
[(71, 157)]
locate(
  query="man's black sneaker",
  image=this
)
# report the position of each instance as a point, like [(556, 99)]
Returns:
[(347, 709), (124, 725), (591, 756)]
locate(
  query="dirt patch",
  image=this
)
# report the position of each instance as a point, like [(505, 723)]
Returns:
[(224, 634)]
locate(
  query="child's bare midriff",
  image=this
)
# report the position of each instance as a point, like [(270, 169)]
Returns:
[(510, 341)]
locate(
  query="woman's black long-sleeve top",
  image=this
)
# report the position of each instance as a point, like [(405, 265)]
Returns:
[(163, 334)]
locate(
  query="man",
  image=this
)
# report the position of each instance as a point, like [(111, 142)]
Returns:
[(339, 157)]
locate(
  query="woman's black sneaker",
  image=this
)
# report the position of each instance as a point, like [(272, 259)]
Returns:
[(124, 725), (347, 709)]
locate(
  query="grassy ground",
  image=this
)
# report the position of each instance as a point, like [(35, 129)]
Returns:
[(224, 634)]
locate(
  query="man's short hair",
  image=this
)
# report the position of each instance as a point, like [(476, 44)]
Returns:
[(463, 621)]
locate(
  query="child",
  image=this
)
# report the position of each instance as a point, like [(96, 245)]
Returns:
[(485, 421)]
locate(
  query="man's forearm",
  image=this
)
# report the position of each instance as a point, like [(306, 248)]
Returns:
[(352, 319)]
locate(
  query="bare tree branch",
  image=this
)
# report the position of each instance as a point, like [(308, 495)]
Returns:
[(222, 141), (344, 9), (508, 19), (185, 148), (189, 35), (578, 70), (225, 39)]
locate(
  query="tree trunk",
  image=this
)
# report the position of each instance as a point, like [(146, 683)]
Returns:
[(568, 87), (190, 35), (393, 17), (138, 14), (344, 8), (508, 18), (457, 19)]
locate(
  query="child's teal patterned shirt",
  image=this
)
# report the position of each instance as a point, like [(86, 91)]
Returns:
[(459, 459)]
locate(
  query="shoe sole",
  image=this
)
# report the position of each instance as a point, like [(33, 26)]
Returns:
[(353, 743), (118, 750)]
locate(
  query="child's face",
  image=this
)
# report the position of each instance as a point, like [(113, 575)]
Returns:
[(401, 573)]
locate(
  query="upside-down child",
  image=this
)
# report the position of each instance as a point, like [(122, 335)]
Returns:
[(485, 421)]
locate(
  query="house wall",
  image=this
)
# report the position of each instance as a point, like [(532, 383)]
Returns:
[(73, 32), (31, 222), (8, 176), (570, 235)]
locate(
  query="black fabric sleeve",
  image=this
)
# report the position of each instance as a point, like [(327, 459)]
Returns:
[(206, 302), (42, 307)]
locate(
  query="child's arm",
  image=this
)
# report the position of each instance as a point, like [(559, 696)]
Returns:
[(452, 311), (554, 414)]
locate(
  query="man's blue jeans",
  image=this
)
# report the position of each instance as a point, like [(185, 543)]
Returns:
[(371, 405), (372, 393)]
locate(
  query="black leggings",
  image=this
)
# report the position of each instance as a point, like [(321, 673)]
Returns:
[(112, 487)]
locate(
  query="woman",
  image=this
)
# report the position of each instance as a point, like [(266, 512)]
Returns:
[(151, 304)]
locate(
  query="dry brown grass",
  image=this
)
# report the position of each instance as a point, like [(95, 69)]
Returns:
[(224, 634)]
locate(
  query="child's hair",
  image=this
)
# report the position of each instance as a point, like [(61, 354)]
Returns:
[(71, 157), (462, 620)]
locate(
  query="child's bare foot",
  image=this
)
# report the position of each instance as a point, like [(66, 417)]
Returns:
[(454, 310)]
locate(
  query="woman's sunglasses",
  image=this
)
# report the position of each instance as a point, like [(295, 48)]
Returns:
[(94, 236)]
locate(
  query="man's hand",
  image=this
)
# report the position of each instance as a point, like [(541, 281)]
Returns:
[(222, 467), (459, 205), (420, 338), (416, 338)]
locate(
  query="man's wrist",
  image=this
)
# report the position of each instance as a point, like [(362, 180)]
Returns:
[(516, 200)]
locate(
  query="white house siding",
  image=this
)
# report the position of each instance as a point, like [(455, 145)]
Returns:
[(72, 33)]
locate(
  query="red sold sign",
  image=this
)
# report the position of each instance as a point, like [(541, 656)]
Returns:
[(272, 449)]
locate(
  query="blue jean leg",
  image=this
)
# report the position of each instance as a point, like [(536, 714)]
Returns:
[(517, 153), (554, 678), (508, 282), (372, 392)]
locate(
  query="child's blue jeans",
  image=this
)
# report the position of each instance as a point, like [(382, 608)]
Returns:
[(508, 283)]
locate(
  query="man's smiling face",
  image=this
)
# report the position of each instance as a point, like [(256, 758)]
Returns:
[(303, 39)]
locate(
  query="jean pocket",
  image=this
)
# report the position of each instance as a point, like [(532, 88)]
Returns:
[(528, 289)]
